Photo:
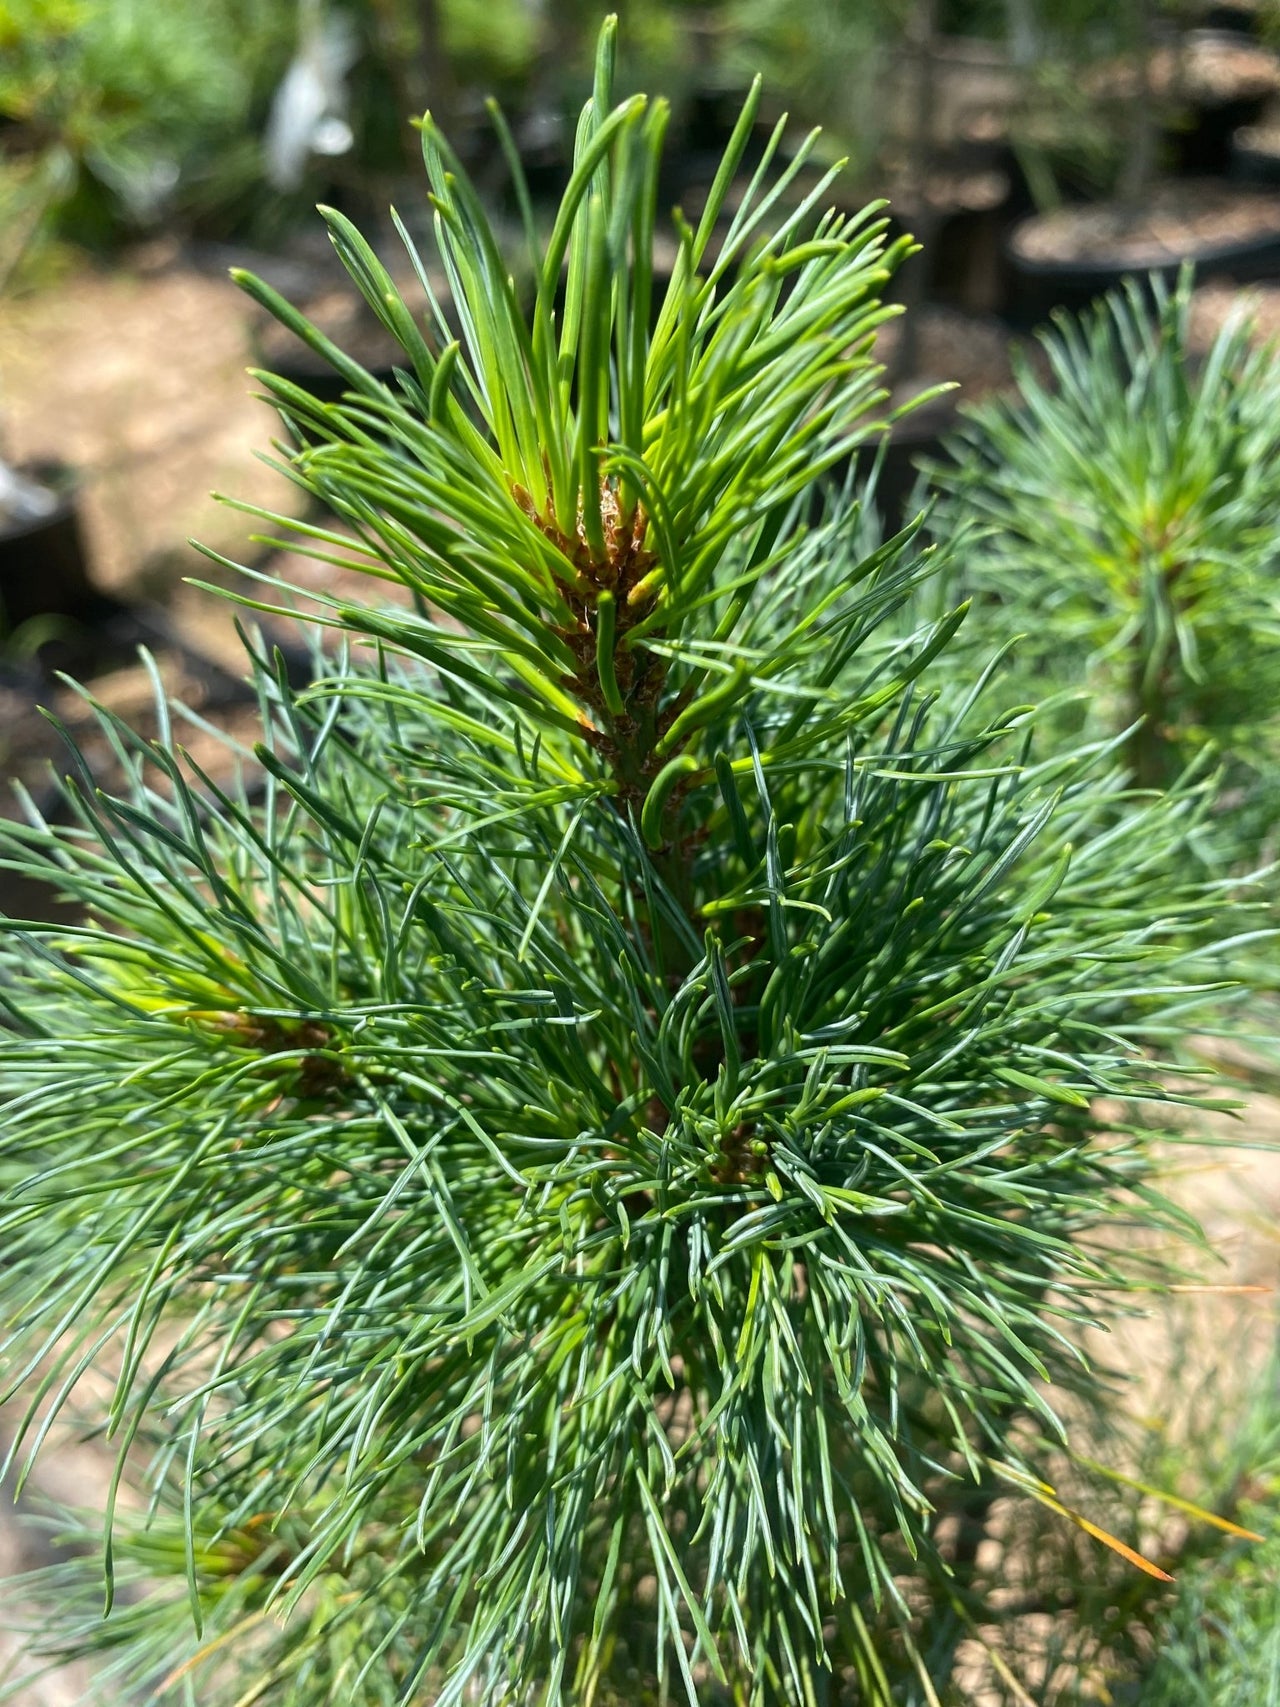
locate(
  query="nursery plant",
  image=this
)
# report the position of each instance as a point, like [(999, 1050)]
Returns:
[(1116, 93), (827, 57), (1123, 514), (585, 1173), (119, 111)]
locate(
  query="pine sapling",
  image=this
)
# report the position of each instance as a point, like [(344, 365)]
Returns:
[(1123, 514), (584, 1166)]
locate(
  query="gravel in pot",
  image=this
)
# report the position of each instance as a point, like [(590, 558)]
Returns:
[(1066, 258)]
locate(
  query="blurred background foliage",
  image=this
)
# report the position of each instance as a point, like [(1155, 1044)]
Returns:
[(119, 115)]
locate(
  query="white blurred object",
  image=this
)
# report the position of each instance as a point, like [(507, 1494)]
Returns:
[(309, 111), (332, 136), (24, 500), (1024, 35)]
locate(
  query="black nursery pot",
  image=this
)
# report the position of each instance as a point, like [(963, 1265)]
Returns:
[(75, 627), (43, 565), (1237, 20), (962, 234), (1251, 163), (966, 261), (323, 383), (960, 262), (281, 353), (46, 589), (710, 118), (918, 438), (1038, 288), (907, 449), (1203, 147), (23, 897)]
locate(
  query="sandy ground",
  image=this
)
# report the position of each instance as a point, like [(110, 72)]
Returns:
[(136, 377)]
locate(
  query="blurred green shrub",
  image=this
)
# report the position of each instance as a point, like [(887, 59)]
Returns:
[(116, 110), (1123, 517), (1220, 1645), (827, 57), (118, 114)]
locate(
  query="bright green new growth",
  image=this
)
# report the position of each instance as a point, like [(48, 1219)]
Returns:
[(583, 1175), (574, 485), (1129, 504)]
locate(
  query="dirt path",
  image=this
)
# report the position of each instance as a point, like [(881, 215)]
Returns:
[(136, 377)]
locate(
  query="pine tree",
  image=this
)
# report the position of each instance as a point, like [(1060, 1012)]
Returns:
[(590, 1152), (1123, 517)]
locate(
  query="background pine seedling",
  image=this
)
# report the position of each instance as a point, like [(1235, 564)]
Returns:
[(582, 1177), (1124, 512)]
